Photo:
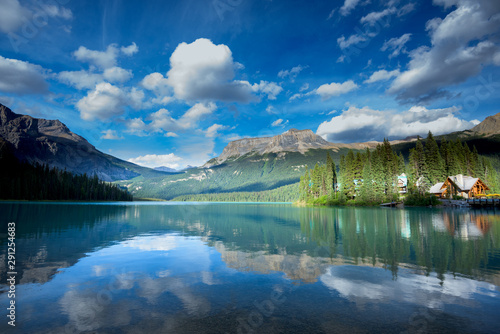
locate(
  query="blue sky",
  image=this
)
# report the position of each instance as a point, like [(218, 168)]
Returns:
[(170, 83)]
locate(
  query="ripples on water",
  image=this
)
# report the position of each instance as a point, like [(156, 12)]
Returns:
[(243, 268)]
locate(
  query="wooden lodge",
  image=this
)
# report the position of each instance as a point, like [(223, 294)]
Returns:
[(402, 184), (461, 185)]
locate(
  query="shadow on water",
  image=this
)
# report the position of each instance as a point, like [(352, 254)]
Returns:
[(54, 236)]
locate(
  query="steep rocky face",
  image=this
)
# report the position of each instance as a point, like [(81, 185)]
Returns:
[(296, 140), (291, 141), (51, 142), (490, 126), (19, 130)]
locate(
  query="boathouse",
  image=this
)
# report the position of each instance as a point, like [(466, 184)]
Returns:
[(461, 185)]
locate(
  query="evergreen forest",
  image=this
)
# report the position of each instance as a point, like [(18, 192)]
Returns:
[(24, 181), (371, 177)]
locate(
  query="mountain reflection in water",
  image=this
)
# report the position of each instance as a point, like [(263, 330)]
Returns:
[(181, 268)]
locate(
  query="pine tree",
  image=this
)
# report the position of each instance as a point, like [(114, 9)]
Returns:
[(401, 164), (433, 160), (367, 189), (303, 186), (444, 149), (491, 177), (378, 174), (316, 181), (418, 167), (323, 184), (469, 161), (461, 161), (477, 164), (349, 175), (331, 176)]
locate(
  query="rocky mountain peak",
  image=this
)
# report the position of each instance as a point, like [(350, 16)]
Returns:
[(21, 129), (51, 142), (490, 126), (292, 140), (6, 115)]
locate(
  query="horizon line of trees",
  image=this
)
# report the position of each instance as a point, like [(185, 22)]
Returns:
[(372, 176), (287, 193)]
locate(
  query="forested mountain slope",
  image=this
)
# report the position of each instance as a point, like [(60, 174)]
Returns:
[(248, 173)]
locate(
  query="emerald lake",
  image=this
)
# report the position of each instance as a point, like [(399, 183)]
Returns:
[(147, 267)]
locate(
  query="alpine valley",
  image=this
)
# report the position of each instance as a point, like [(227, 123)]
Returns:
[(249, 169)]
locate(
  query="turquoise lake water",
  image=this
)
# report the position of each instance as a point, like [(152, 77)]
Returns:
[(249, 268)]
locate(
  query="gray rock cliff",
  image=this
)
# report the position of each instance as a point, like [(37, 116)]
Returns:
[(51, 142), (292, 140), (490, 126)]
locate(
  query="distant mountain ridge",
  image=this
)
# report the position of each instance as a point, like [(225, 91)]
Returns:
[(165, 169), (490, 126), (51, 142), (292, 140)]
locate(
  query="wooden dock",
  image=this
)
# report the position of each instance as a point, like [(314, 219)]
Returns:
[(390, 204), (484, 202)]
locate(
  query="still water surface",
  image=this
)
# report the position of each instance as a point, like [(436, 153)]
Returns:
[(250, 268)]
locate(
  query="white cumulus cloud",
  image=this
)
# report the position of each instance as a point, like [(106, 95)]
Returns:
[(11, 15), (21, 77), (382, 75), (213, 131), (102, 103), (158, 84), (130, 50), (162, 121), (102, 59), (136, 126), (462, 44), (111, 135), (80, 79), (205, 71), (328, 91), (271, 89), (87, 79), (117, 74), (365, 124)]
